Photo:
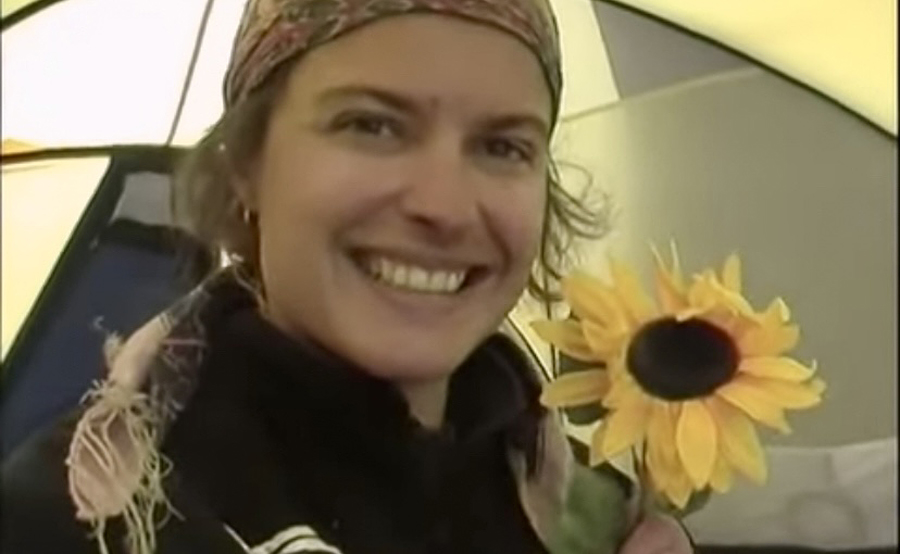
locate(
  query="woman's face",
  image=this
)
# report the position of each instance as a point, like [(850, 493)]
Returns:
[(400, 192)]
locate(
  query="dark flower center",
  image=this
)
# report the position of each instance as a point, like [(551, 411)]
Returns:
[(681, 360)]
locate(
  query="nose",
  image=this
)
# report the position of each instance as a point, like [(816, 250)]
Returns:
[(440, 196)]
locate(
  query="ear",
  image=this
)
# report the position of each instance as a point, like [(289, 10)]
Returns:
[(242, 178), (246, 191)]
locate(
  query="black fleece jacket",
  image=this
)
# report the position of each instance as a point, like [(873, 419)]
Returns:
[(285, 448)]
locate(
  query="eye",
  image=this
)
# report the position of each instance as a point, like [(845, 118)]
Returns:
[(507, 149), (369, 125)]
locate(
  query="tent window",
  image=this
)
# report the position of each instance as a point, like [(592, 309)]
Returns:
[(42, 203)]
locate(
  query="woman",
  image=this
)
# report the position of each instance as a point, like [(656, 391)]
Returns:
[(383, 186)]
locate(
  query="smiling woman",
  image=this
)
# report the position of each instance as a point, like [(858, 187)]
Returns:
[(341, 386), (426, 181)]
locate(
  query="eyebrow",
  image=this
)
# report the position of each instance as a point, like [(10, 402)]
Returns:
[(390, 99), (399, 102), (517, 121)]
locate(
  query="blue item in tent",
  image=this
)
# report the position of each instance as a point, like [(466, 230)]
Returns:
[(121, 284)]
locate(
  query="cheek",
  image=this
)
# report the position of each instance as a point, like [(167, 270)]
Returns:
[(518, 219), (317, 185)]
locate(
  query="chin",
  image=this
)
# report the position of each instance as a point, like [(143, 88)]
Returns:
[(413, 360)]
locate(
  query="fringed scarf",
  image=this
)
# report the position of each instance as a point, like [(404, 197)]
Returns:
[(116, 468)]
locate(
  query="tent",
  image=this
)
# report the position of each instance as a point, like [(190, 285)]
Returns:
[(762, 127)]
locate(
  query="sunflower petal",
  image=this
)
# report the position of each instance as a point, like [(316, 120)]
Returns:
[(688, 313), (591, 299), (626, 425), (669, 290), (679, 490), (576, 389), (661, 432), (638, 305), (656, 467), (794, 396), (657, 470), (768, 340), (738, 441), (662, 478), (818, 386), (777, 312), (701, 293), (741, 394), (733, 299), (622, 388), (596, 450), (785, 369), (696, 440), (721, 478), (707, 292), (567, 336), (676, 264), (731, 273), (662, 454), (603, 342)]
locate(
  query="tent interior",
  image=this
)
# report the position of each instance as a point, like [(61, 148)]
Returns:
[(764, 128)]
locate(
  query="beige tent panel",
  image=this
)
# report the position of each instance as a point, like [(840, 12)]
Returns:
[(846, 49), (14, 146), (42, 203), (10, 6)]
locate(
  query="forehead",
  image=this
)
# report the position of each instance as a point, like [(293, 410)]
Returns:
[(438, 59)]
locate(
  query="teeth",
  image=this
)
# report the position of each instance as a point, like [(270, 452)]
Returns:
[(438, 281), (418, 279), (413, 277), (455, 280)]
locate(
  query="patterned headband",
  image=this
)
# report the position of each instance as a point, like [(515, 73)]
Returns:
[(275, 31)]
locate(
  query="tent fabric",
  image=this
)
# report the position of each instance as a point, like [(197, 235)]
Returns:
[(846, 49), (58, 190), (711, 146), (838, 499), (648, 54), (117, 84), (8, 7), (842, 48), (83, 103)]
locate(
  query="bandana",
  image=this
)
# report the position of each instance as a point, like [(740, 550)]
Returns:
[(273, 32)]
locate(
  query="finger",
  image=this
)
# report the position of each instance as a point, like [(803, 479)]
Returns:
[(657, 534)]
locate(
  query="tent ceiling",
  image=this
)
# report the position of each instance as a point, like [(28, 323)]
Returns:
[(846, 49), (648, 54), (121, 84), (10, 6)]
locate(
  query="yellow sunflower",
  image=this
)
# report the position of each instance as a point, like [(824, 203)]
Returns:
[(682, 379)]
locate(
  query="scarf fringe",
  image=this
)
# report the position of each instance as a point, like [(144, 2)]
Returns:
[(114, 465)]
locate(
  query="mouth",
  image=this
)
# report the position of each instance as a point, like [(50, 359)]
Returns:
[(409, 276)]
